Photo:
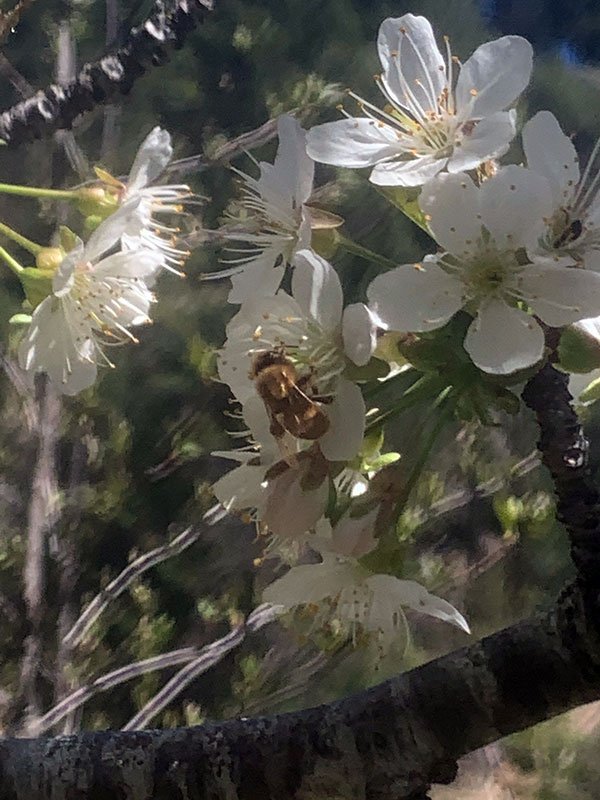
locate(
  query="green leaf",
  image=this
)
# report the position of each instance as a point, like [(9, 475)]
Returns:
[(578, 350), (407, 200)]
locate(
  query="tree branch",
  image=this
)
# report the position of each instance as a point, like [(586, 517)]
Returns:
[(56, 107)]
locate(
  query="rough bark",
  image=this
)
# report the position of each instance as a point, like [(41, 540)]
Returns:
[(390, 742), (57, 106)]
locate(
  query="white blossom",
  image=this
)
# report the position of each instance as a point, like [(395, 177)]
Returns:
[(573, 227), (96, 299), (141, 204), (358, 599), (314, 331), (440, 115), (276, 224), (486, 232)]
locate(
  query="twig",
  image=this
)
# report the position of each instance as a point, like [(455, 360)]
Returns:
[(207, 658), (56, 107), (99, 604)]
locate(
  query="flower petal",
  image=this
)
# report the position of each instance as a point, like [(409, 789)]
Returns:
[(359, 332), (411, 60), (561, 295), (550, 153), (292, 162), (54, 347), (241, 488), (317, 289), (452, 205), (414, 172), (152, 157), (311, 583), (489, 139), (502, 339), (358, 142), (291, 510), (257, 278), (344, 437), (410, 593), (493, 77), (415, 299), (515, 205)]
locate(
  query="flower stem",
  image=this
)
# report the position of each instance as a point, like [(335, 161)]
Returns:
[(358, 250), (446, 410), (27, 244), (12, 263), (34, 191), (419, 391)]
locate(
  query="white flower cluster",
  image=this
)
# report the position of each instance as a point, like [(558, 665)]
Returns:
[(101, 288), (518, 252)]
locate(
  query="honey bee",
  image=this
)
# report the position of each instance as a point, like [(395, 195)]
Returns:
[(285, 395)]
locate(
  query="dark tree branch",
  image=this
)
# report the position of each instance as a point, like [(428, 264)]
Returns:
[(56, 107)]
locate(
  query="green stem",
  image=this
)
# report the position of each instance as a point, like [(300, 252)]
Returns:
[(419, 391), (446, 412), (34, 191), (358, 250), (12, 263), (27, 244)]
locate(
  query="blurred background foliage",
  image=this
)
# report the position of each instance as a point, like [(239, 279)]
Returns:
[(106, 476)]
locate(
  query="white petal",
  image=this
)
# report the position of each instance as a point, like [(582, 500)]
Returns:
[(130, 218), (415, 596), (354, 536), (292, 160), (413, 172), (489, 139), (310, 583), (550, 153), (561, 295), (153, 156), (514, 206), (129, 265), (344, 437), (356, 142), (54, 347), (411, 60), (502, 339), (289, 509), (256, 418), (359, 332), (497, 72), (257, 278), (411, 299), (62, 280), (317, 289), (452, 205), (241, 488)]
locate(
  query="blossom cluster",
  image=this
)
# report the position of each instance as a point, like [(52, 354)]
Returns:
[(516, 253), (101, 289)]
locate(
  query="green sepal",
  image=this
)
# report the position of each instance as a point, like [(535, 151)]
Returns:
[(67, 238), (325, 242), (407, 200), (591, 392), (372, 444), (375, 368), (37, 284), (578, 351), (20, 319)]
